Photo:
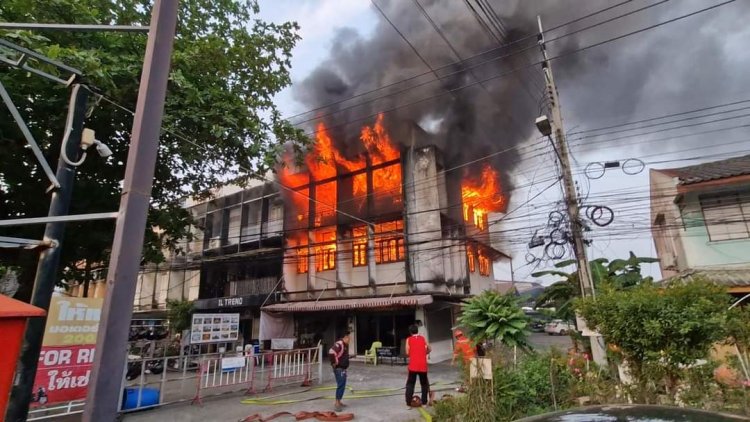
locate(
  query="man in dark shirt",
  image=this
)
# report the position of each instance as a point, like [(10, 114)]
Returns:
[(339, 355)]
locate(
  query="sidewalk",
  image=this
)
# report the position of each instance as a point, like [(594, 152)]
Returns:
[(384, 404)]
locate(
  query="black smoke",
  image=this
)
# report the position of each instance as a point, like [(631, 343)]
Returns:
[(668, 69)]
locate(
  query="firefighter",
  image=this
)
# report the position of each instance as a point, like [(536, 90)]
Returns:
[(463, 348)]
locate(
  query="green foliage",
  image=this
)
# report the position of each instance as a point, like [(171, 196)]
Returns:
[(179, 314), (538, 384), (620, 274), (495, 316), (227, 67), (738, 327), (667, 327)]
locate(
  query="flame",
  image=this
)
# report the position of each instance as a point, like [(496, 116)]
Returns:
[(324, 162), (378, 144), (482, 196)]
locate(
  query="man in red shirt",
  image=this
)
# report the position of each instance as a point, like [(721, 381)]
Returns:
[(417, 349)]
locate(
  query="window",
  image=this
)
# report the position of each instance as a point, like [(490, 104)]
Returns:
[(325, 250), (484, 264), (389, 242), (726, 216), (359, 247), (302, 264), (472, 259)]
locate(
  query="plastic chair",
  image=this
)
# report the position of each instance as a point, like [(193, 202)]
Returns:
[(372, 354)]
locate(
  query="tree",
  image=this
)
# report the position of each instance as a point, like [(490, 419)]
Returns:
[(179, 313), (495, 316), (619, 273), (219, 116), (669, 327)]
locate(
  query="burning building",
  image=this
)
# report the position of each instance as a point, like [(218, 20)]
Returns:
[(382, 237)]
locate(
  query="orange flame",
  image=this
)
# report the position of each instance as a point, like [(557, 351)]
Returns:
[(324, 160), (378, 144), (482, 196)]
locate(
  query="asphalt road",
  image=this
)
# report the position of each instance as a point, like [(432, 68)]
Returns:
[(543, 342)]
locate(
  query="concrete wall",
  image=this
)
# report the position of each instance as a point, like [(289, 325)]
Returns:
[(700, 251), (423, 218), (679, 231)]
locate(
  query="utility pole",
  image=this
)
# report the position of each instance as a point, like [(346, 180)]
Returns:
[(571, 199), (102, 402), (49, 260)]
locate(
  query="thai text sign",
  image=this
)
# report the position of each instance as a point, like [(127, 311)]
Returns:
[(67, 354)]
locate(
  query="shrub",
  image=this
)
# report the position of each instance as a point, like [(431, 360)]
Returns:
[(664, 329)]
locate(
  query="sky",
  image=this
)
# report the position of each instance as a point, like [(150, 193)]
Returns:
[(685, 65)]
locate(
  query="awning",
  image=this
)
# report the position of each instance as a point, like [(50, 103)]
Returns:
[(347, 304)]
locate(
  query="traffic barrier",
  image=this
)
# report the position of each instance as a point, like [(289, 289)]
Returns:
[(225, 371), (292, 365)]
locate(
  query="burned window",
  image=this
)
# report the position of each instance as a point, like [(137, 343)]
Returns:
[(484, 263), (325, 250), (302, 264), (359, 246), (471, 256), (389, 242)]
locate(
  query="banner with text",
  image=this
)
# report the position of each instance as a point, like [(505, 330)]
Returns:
[(67, 350)]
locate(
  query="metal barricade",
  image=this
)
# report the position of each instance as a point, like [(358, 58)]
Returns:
[(153, 382), (225, 371)]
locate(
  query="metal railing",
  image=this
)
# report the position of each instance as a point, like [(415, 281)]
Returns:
[(152, 382)]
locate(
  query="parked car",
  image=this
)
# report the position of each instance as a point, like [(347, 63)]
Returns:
[(559, 327), (634, 413), (537, 326)]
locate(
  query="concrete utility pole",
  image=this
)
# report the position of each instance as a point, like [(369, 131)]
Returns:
[(102, 402), (579, 247), (49, 260)]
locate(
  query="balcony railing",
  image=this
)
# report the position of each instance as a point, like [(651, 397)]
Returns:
[(254, 286)]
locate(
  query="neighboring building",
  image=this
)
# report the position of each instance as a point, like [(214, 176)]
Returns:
[(422, 255), (700, 221)]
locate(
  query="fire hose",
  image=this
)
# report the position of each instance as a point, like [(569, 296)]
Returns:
[(331, 416)]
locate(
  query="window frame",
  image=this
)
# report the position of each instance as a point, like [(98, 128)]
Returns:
[(724, 200)]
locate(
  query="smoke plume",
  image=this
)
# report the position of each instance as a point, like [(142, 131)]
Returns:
[(611, 83)]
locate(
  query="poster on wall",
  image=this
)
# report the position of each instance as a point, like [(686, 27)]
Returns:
[(214, 328), (64, 369)]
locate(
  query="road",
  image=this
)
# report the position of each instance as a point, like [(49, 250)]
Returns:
[(544, 342)]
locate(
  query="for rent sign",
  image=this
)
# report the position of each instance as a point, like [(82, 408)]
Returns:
[(67, 353)]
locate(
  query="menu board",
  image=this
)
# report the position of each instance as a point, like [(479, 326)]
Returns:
[(214, 328)]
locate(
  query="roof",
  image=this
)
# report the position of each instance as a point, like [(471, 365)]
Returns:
[(715, 170), (10, 308), (347, 304), (505, 287), (734, 277)]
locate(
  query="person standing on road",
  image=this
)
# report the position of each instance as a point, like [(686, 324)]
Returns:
[(339, 355), (417, 349), (462, 348)]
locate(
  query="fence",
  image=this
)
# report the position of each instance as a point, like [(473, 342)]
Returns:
[(154, 382)]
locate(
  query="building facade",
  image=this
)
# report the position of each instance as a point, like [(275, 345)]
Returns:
[(375, 246), (700, 221)]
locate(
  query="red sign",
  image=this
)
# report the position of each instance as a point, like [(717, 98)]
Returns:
[(63, 373), (64, 368)]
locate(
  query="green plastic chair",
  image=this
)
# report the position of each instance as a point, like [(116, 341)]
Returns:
[(372, 354)]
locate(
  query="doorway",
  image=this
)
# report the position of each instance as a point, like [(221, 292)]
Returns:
[(388, 328)]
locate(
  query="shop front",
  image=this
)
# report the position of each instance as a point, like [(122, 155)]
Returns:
[(383, 319)]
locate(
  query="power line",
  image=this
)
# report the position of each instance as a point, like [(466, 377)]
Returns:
[(559, 56), (457, 63)]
